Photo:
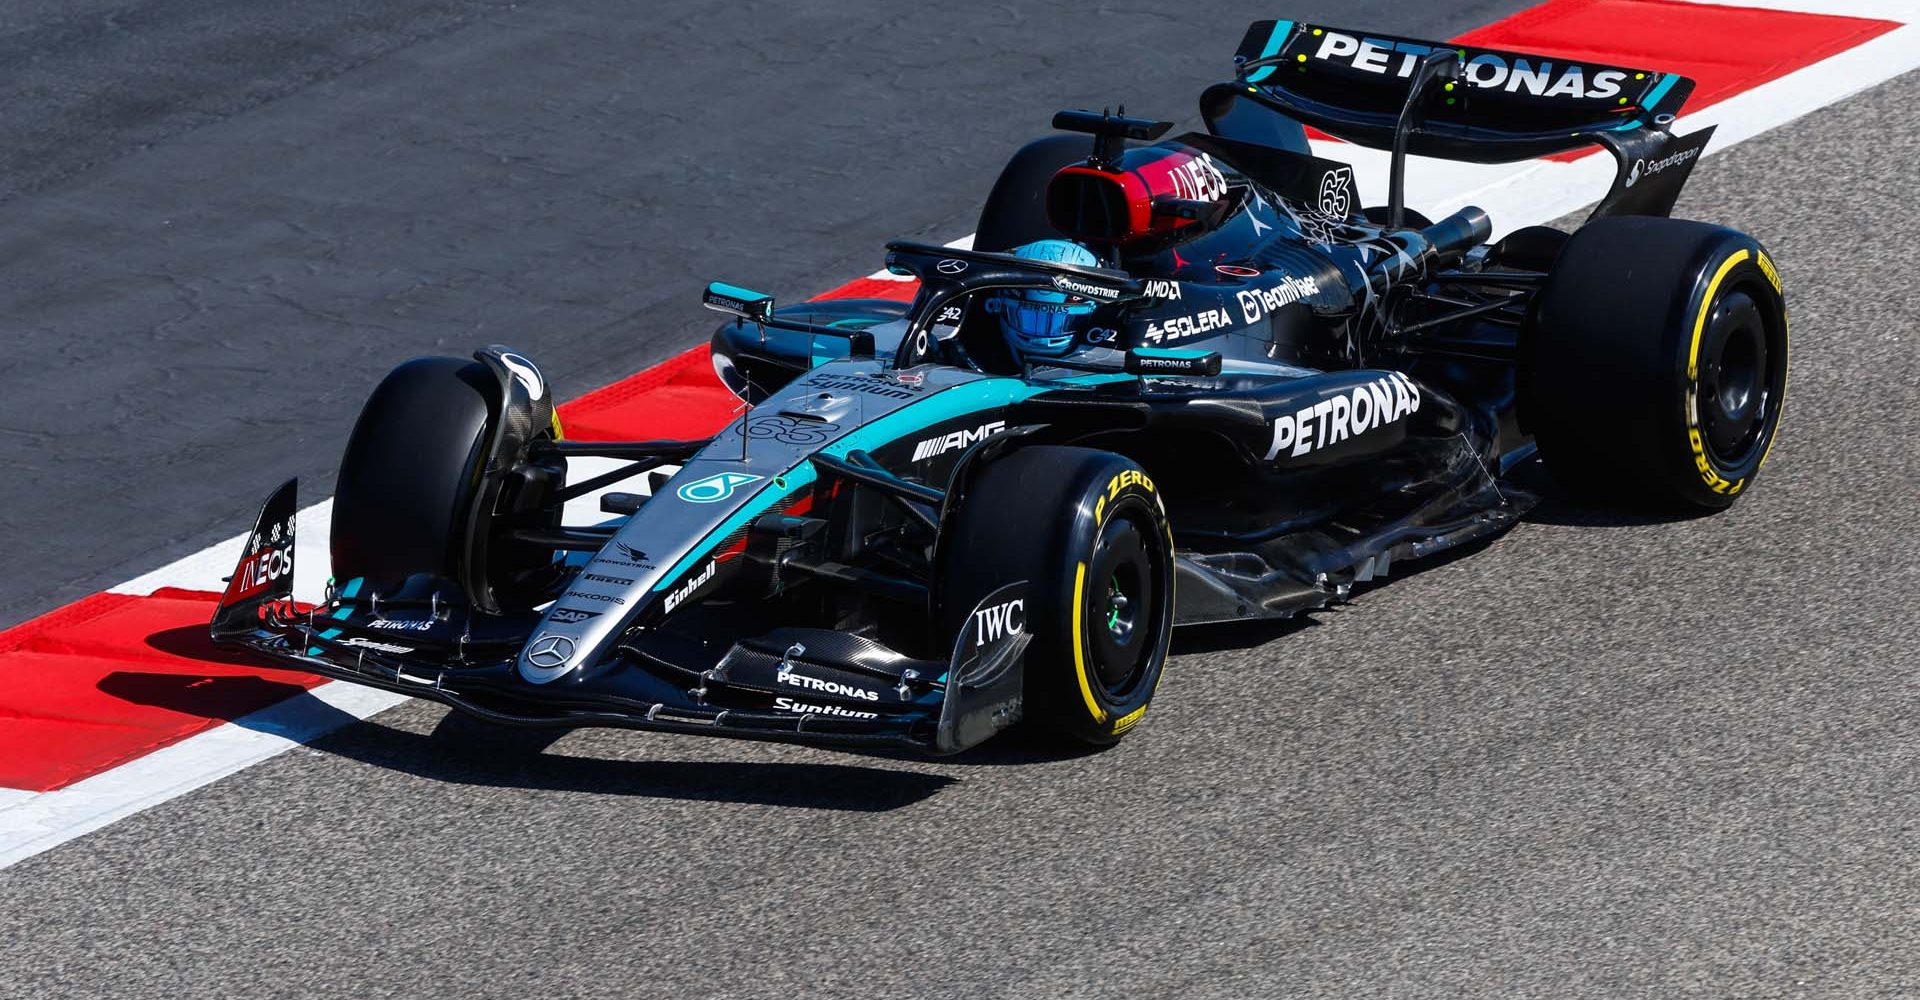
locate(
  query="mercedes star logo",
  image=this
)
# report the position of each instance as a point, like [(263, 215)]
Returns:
[(550, 651), (950, 266)]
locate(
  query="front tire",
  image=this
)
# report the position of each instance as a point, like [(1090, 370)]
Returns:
[(1655, 362), (1088, 531), (408, 484)]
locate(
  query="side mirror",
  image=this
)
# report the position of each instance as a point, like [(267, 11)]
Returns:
[(1171, 361), (736, 301)]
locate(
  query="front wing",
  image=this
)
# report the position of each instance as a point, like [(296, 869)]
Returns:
[(795, 685)]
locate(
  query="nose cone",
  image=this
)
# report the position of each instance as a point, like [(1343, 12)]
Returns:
[(672, 551)]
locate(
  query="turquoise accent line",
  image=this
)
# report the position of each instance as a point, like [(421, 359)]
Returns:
[(352, 589), (1659, 90), (948, 404), (797, 478), (328, 634), (735, 291), (1173, 353), (1281, 31), (962, 400)]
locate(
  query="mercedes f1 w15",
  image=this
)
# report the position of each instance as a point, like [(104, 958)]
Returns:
[(1174, 380)]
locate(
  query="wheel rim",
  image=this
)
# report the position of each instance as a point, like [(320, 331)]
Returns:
[(1120, 614), (1737, 380)]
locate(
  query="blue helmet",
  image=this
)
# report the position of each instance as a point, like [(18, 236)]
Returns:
[(1042, 322)]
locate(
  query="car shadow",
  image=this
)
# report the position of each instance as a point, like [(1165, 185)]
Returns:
[(1219, 637), (228, 699), (462, 750), (1558, 508), (465, 751), (193, 642)]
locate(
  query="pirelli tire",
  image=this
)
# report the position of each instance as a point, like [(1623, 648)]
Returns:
[(1654, 364), (1088, 531), (408, 480)]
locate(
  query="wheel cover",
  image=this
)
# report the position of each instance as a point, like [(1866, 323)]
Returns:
[(1738, 392), (1121, 613)]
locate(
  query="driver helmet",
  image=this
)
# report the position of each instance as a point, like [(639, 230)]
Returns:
[(1041, 322)]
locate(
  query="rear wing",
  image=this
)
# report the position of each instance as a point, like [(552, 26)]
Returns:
[(1507, 106), (1460, 102)]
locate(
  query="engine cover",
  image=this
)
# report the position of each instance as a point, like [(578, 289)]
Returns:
[(1152, 196)]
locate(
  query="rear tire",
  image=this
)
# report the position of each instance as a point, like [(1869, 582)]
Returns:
[(1015, 212), (1655, 362), (1088, 531)]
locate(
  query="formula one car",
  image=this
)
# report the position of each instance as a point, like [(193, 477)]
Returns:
[(1173, 381)]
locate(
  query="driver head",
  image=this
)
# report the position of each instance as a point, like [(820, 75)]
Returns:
[(1042, 322)]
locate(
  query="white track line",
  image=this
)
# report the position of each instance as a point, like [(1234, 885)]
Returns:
[(208, 568), (35, 823), (1537, 191), (1514, 194), (1885, 10)]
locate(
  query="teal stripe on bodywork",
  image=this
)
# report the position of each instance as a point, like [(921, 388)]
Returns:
[(352, 589), (735, 291), (1659, 90), (1098, 379), (796, 479), (952, 404), (948, 404), (328, 634), (1171, 353), (1281, 31)]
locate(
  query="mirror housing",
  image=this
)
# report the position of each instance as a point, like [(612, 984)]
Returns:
[(733, 300)]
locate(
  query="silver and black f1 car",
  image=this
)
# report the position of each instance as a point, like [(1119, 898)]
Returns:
[(917, 536)]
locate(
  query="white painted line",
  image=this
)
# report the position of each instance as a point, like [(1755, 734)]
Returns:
[(1514, 194), (1537, 191), (208, 568), (35, 823), (1885, 10), (1809, 89)]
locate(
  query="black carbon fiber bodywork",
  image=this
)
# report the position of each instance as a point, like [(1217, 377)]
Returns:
[(1311, 394)]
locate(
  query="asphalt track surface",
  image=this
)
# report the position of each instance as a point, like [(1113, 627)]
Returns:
[(224, 220), (1606, 756)]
